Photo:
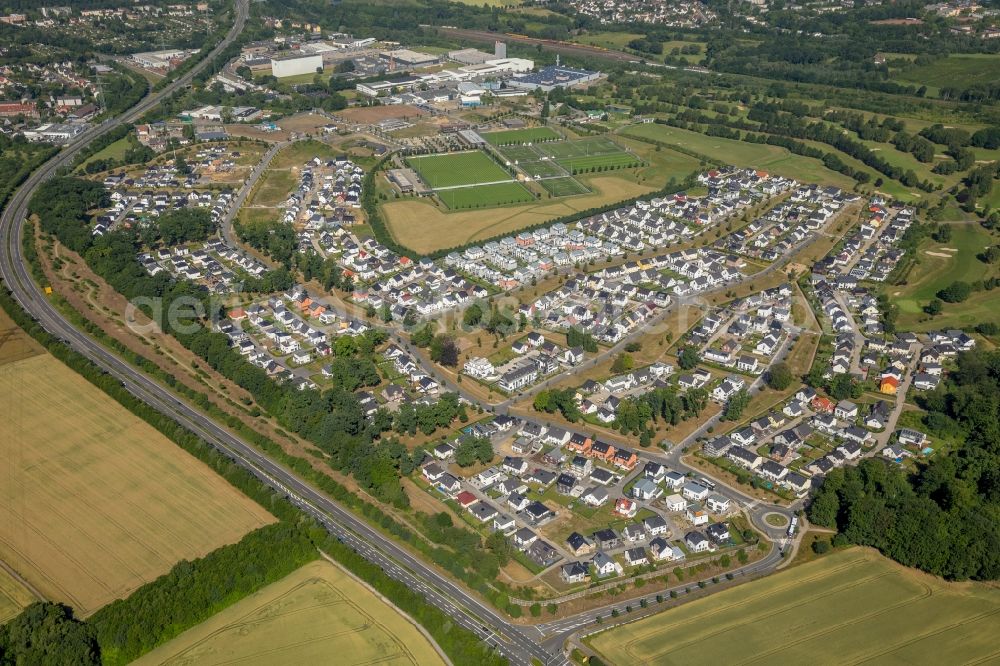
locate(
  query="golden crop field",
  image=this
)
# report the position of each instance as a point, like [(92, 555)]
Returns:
[(14, 597), (316, 615), (15, 344), (423, 227), (849, 607), (93, 501)]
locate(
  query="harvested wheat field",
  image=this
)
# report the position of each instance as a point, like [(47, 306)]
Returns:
[(14, 597), (423, 227), (93, 501), (850, 607), (15, 344), (316, 615)]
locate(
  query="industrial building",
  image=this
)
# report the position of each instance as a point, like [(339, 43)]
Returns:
[(555, 76), (377, 87), (160, 60), (470, 56), (408, 58), (55, 132), (296, 65)]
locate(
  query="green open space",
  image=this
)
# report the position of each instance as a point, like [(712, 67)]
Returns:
[(607, 40), (485, 196), (115, 151), (940, 264), (526, 135), (454, 169), (774, 159), (300, 152), (274, 187), (849, 607), (958, 70)]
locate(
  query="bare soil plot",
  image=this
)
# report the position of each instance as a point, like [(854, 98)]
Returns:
[(300, 123), (316, 615), (95, 502), (850, 607), (374, 114)]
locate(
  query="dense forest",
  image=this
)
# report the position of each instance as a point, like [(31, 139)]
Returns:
[(943, 518)]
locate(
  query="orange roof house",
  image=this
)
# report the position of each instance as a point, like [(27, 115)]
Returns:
[(821, 404), (889, 385), (582, 446), (626, 507)]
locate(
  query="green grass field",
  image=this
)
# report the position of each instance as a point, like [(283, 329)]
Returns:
[(531, 161), (526, 135), (607, 40), (586, 147), (115, 150), (485, 196), (961, 71), (615, 161), (454, 169), (519, 153), (850, 607), (542, 169), (563, 187), (773, 159), (940, 264), (274, 187)]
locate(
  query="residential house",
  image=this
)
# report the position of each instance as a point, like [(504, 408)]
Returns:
[(605, 566), (574, 572), (696, 542)]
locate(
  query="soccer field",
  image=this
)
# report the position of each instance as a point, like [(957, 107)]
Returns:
[(518, 153), (485, 196), (612, 161), (851, 607), (540, 169), (94, 502), (596, 145), (527, 135), (455, 169), (563, 187), (582, 155)]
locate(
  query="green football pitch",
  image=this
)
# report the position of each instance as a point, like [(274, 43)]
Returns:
[(455, 169)]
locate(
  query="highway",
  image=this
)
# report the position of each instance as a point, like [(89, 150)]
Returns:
[(520, 644)]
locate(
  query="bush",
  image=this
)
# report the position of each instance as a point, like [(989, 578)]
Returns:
[(821, 546)]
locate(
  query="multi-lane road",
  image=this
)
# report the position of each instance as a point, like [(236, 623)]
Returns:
[(521, 644)]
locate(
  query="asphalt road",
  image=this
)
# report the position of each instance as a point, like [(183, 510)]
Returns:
[(520, 644)]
